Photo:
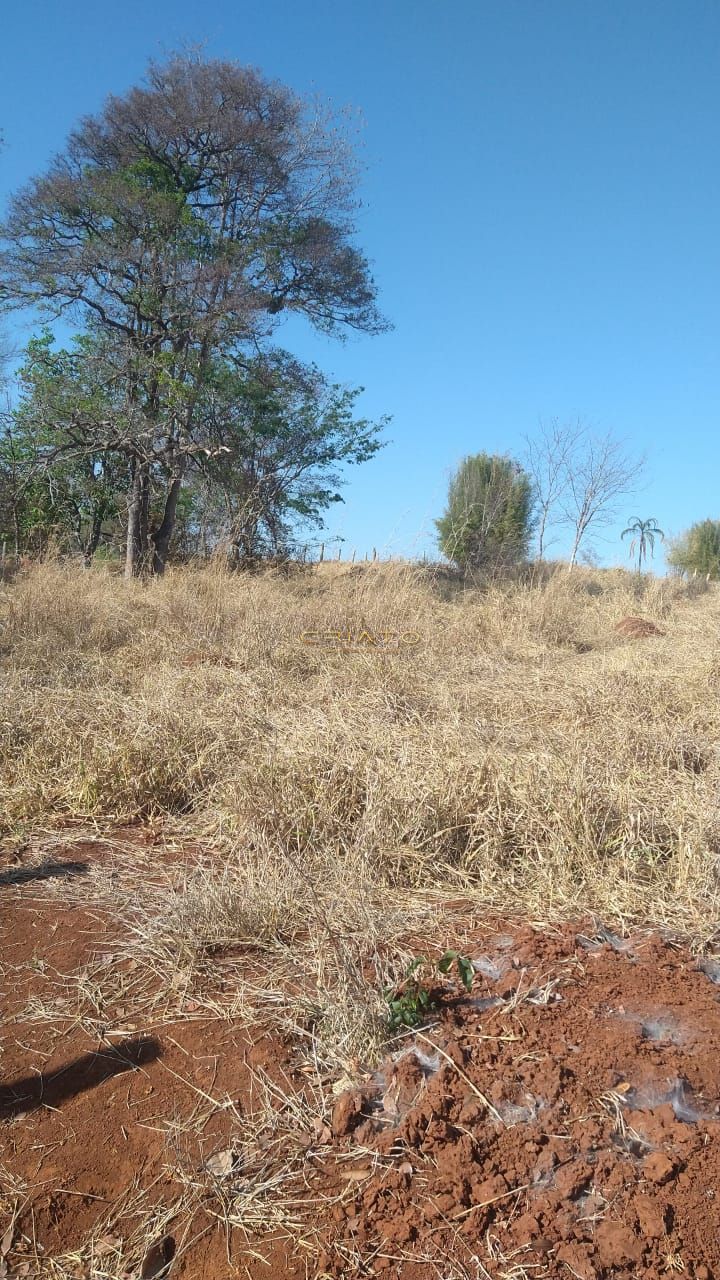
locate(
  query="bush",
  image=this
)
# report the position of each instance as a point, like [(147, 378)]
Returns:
[(489, 516), (697, 550)]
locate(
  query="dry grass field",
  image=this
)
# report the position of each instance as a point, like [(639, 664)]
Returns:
[(237, 806), (511, 746)]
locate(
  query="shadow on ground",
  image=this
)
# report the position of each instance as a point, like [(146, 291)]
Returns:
[(87, 1072), (42, 871)]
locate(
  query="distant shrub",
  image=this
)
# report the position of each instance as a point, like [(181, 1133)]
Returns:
[(697, 550), (489, 518)]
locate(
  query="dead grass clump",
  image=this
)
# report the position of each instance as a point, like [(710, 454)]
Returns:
[(509, 746)]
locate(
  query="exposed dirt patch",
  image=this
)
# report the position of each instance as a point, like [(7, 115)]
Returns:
[(637, 628), (120, 1120), (571, 1128), (563, 1119)]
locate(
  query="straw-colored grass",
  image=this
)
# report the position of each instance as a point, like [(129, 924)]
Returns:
[(516, 745), (513, 750), (321, 812)]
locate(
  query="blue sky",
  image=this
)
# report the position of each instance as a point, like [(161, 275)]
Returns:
[(541, 205)]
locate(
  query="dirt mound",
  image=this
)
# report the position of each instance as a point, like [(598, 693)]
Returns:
[(562, 1121), (637, 628)]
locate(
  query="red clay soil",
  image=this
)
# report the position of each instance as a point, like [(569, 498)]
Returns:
[(637, 628), (562, 1120), (572, 1130), (91, 1124)]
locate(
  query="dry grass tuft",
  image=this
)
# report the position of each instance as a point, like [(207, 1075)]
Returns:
[(513, 749)]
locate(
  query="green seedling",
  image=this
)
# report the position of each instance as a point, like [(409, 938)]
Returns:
[(464, 966), (411, 1002)]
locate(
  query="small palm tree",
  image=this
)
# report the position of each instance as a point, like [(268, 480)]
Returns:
[(644, 533)]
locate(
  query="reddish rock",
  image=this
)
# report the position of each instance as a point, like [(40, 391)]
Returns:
[(483, 1192), (651, 1217), (577, 1259), (637, 628), (572, 1178), (658, 1168), (617, 1245), (526, 1229), (347, 1113)]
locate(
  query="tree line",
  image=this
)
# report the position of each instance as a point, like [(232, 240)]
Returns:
[(570, 480), (174, 232), (569, 477)]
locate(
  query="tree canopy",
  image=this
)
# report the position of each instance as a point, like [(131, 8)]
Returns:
[(179, 225), (271, 436)]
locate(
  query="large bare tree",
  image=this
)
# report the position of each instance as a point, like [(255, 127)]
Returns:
[(600, 472), (184, 220), (578, 477), (548, 460)]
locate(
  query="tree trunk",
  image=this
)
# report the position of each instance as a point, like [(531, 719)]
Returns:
[(541, 535), (576, 547), (161, 537), (138, 499), (16, 531), (93, 540), (145, 519)]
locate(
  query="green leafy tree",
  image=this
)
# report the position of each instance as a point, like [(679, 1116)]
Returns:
[(276, 436), (271, 439), (185, 219), (18, 468), (697, 551), (643, 534), (59, 479), (488, 522)]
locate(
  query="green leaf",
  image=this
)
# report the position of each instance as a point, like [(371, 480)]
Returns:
[(466, 971), (445, 961)]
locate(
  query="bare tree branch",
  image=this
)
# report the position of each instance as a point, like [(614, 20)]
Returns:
[(598, 474), (549, 460)]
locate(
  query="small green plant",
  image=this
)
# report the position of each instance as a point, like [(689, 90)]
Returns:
[(411, 1001), (464, 966)]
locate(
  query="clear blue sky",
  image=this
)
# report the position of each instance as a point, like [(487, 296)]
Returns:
[(541, 206)]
